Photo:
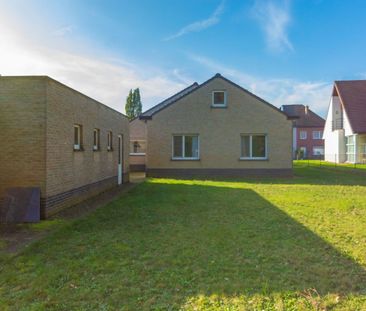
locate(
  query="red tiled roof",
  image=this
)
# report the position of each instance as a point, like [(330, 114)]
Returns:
[(303, 116), (353, 99)]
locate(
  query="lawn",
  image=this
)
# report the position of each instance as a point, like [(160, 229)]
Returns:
[(326, 164), (285, 244)]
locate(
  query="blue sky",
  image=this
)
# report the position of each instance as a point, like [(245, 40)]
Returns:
[(288, 52)]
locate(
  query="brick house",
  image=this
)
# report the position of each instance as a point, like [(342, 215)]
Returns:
[(307, 131), (54, 138), (138, 136), (217, 128)]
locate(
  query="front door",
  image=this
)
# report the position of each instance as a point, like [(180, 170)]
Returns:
[(120, 159)]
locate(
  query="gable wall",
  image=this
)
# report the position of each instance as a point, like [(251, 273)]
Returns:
[(219, 130)]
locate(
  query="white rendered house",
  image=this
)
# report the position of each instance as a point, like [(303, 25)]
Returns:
[(345, 127)]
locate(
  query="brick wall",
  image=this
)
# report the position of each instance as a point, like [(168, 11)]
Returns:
[(37, 131), (309, 143), (68, 169), (219, 131), (22, 132), (138, 132)]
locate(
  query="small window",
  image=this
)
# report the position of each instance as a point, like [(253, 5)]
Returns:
[(110, 141), (138, 147), (218, 99), (185, 147), (317, 134), (77, 137), (253, 146), (96, 139), (303, 135)]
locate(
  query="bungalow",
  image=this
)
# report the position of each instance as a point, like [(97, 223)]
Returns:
[(345, 126), (59, 141), (217, 128)]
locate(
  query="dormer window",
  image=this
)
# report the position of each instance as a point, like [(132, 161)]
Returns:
[(219, 99)]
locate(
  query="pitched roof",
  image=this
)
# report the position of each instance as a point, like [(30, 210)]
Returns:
[(171, 100), (353, 98), (303, 116), (149, 113)]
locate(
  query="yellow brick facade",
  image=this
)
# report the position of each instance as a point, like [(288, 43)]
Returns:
[(219, 131), (37, 125)]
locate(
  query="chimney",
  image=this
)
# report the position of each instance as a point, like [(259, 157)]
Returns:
[(306, 109)]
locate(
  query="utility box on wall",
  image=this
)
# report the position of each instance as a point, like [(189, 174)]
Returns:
[(21, 204)]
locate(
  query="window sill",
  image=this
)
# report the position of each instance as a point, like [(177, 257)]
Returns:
[(78, 149), (110, 150), (96, 150), (185, 159), (137, 153), (253, 159), (219, 106)]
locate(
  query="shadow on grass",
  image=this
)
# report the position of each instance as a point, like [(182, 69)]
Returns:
[(165, 243)]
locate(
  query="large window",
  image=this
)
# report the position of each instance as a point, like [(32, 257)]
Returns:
[(138, 147), (351, 149), (185, 147), (218, 99), (77, 137), (96, 139), (253, 146), (318, 151), (317, 134), (303, 135)]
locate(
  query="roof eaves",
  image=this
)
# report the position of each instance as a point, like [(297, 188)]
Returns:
[(147, 116)]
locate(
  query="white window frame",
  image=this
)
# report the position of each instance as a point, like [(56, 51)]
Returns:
[(138, 153), (183, 147), (77, 146), (109, 141), (317, 137), (303, 137), (250, 146), (318, 147), (351, 154), (213, 99), (97, 145)]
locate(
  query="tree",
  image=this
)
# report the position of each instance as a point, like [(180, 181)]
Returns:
[(133, 105), (137, 102)]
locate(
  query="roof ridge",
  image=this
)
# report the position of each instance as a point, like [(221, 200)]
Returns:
[(190, 89)]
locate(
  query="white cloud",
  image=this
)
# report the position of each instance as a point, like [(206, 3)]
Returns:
[(274, 19), (101, 77), (199, 25), (62, 31), (278, 92)]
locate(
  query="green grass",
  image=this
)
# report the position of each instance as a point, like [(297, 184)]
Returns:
[(284, 244), (322, 163)]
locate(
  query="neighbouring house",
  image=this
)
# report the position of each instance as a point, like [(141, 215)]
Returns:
[(59, 140), (217, 128), (137, 145), (345, 126), (307, 133)]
